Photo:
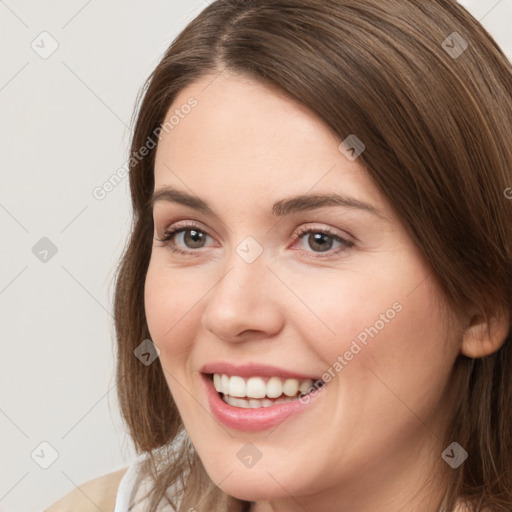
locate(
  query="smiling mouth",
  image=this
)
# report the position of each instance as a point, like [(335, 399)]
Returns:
[(256, 392)]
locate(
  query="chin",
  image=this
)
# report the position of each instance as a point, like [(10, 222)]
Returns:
[(250, 484), (253, 489)]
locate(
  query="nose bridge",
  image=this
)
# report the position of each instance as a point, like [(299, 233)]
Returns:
[(246, 270), (244, 297), (245, 278)]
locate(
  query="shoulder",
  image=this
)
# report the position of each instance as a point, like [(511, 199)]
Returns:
[(97, 494)]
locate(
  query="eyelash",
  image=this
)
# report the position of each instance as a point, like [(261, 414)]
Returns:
[(299, 234)]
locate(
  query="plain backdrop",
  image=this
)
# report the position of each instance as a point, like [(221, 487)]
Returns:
[(69, 75)]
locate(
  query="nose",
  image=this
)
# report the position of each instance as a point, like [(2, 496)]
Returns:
[(245, 303)]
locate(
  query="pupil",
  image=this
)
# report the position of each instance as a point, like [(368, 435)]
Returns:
[(194, 236), (319, 238)]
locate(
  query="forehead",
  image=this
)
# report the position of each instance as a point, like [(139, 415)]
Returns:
[(245, 136)]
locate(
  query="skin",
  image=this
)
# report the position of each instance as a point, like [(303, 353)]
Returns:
[(371, 440)]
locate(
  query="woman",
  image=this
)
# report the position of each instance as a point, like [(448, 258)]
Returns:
[(313, 310)]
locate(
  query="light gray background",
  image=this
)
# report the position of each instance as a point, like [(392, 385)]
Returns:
[(64, 130)]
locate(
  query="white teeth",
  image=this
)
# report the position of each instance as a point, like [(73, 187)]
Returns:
[(217, 382), (290, 387), (237, 402), (224, 384), (305, 386), (258, 388), (236, 386), (274, 387), (244, 403)]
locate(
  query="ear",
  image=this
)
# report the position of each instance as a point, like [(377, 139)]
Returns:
[(483, 337)]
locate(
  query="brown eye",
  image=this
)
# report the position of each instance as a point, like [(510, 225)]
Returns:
[(184, 240), (193, 239), (320, 241)]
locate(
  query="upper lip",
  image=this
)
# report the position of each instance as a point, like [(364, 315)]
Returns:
[(253, 370)]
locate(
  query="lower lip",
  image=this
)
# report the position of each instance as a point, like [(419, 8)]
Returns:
[(254, 420)]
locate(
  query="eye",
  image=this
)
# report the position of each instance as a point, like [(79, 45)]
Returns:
[(191, 236), (186, 239), (322, 241)]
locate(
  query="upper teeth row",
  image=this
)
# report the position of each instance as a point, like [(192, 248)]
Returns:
[(256, 387)]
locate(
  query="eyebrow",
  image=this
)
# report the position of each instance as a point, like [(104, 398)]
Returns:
[(280, 208)]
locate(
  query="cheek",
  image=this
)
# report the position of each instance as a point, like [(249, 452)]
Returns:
[(171, 316), (396, 357), (169, 300), (347, 309), (388, 322)]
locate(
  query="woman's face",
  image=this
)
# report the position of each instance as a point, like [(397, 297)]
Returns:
[(252, 295)]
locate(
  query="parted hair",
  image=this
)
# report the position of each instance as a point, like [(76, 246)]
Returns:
[(437, 129)]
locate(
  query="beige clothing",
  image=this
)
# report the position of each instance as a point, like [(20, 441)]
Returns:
[(92, 496)]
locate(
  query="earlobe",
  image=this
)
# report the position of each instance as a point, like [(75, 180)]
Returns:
[(484, 336)]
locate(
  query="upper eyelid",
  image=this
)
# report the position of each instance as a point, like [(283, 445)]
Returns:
[(299, 232), (344, 233), (177, 225)]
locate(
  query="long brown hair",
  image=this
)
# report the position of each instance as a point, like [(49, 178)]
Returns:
[(437, 127)]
